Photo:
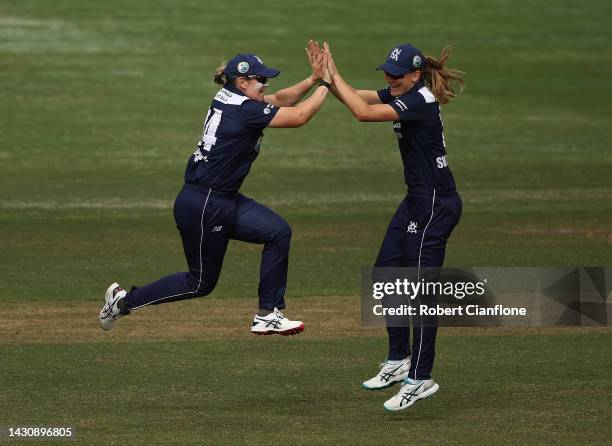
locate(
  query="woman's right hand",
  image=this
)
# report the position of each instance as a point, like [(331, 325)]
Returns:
[(331, 65), (316, 60)]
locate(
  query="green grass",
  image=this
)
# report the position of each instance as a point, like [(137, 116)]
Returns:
[(493, 388), (101, 105)]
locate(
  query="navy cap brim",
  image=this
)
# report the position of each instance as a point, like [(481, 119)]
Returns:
[(267, 72), (393, 70)]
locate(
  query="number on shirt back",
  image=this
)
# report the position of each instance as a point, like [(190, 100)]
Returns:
[(209, 139)]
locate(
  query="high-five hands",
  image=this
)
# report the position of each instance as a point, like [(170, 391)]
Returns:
[(319, 61), (316, 60), (331, 65)]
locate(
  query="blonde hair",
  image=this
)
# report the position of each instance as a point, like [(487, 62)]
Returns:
[(219, 76), (442, 81)]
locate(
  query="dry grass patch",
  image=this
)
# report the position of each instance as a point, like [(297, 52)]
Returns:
[(194, 319), (206, 319)]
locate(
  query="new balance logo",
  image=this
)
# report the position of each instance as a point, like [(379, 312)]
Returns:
[(217, 229)]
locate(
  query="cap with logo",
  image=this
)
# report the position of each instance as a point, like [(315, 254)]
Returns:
[(402, 59), (248, 65)]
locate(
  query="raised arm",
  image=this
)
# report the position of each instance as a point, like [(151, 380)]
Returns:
[(362, 106), (291, 95), (302, 113), (370, 96)]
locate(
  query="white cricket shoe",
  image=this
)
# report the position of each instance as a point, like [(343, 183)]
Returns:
[(388, 375), (410, 393), (275, 323), (109, 312)]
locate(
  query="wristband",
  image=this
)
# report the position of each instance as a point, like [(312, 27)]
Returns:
[(326, 84)]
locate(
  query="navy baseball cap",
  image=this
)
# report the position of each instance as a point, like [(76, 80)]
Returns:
[(402, 59), (248, 65)]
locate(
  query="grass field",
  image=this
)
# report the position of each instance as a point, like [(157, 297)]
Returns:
[(101, 105)]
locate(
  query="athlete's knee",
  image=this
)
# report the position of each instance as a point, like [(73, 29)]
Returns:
[(202, 286), (204, 289), (283, 231)]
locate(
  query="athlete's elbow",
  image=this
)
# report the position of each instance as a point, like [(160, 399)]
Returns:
[(290, 119), (361, 116), (301, 119), (360, 113)]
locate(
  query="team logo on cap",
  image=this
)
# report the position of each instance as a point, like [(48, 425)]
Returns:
[(416, 61), (395, 54), (259, 60), (243, 67)]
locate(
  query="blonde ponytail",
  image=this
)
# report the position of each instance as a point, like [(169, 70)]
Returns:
[(442, 81), (219, 76)]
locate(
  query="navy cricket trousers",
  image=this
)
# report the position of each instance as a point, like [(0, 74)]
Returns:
[(416, 237), (207, 219)]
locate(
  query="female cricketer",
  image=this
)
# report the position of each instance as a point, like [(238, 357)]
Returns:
[(417, 234), (209, 210)]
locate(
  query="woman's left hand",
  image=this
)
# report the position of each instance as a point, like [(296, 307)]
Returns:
[(331, 65), (316, 60)]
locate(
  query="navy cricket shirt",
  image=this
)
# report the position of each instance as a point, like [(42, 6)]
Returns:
[(421, 139), (231, 138)]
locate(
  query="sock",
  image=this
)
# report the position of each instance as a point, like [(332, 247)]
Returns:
[(394, 361), (412, 381), (122, 308), (263, 312)]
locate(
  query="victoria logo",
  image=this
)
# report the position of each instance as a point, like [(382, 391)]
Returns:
[(243, 67), (199, 156), (395, 54)]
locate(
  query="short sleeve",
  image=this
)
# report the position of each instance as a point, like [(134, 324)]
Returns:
[(385, 95), (409, 107), (257, 114)]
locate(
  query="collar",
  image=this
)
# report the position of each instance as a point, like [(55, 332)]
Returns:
[(230, 87), (416, 87)]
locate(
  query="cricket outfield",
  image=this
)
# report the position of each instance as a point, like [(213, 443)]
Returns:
[(101, 106)]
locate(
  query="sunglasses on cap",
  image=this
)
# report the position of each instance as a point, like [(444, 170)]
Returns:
[(394, 77), (260, 79)]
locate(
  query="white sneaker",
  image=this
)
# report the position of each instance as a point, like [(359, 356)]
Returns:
[(388, 375), (275, 323), (410, 393), (109, 312)]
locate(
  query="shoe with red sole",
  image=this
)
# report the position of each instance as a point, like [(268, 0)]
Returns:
[(276, 323)]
